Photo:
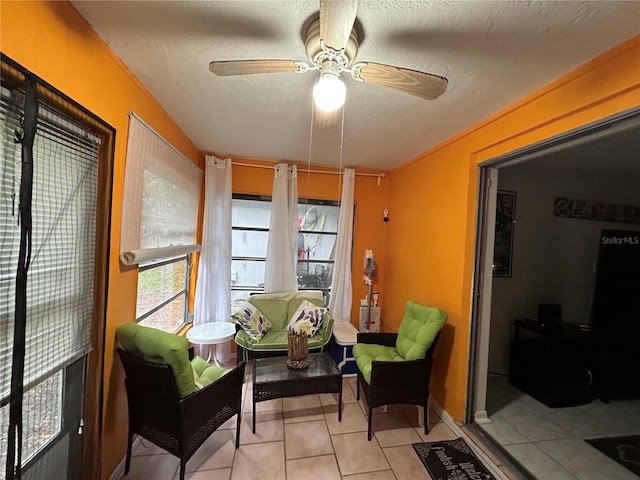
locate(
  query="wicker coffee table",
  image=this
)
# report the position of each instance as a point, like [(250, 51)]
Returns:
[(273, 379)]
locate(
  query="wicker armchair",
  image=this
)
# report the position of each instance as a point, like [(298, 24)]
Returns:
[(386, 376), (174, 402), (178, 425)]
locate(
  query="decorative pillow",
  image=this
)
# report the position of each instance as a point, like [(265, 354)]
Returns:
[(252, 321), (307, 318)]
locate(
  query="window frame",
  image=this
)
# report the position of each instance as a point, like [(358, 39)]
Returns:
[(184, 292), (301, 202)]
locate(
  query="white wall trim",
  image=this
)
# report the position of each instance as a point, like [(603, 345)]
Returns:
[(481, 417)]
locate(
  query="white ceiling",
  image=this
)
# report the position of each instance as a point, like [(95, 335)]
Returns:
[(493, 54)]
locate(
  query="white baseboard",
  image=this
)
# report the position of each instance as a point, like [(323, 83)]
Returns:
[(481, 417)]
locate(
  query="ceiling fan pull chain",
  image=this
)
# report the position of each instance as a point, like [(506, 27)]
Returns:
[(341, 144), (313, 115)]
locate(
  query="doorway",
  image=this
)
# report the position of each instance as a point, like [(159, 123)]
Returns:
[(548, 263)]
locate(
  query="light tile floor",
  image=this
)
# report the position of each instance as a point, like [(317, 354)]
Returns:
[(549, 442), (300, 438)]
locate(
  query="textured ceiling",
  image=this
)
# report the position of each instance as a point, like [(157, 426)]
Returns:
[(493, 54)]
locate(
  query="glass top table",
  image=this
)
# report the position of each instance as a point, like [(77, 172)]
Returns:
[(273, 379)]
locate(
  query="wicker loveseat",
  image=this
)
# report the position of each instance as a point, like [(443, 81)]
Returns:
[(278, 308)]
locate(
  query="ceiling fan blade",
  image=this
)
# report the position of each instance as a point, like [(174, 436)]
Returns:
[(336, 21), (325, 120), (416, 83), (247, 67)]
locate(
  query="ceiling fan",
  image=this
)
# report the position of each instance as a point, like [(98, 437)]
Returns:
[(331, 47)]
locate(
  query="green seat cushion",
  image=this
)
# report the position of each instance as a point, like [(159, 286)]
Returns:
[(199, 365), (206, 373), (156, 346), (278, 339), (274, 309), (366, 353), (418, 329), (273, 340)]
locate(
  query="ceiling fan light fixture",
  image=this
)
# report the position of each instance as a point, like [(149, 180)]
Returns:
[(330, 92)]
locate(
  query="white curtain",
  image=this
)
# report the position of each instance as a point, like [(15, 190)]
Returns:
[(213, 289), (341, 289), (280, 271)]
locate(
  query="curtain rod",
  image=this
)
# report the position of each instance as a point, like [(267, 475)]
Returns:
[(137, 117), (305, 170)]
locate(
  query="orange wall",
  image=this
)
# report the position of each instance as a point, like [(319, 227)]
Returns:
[(369, 227), (53, 41), (430, 246)]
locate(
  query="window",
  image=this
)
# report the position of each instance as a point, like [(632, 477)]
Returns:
[(42, 413), (318, 229), (60, 288), (163, 291), (159, 223), (160, 200)]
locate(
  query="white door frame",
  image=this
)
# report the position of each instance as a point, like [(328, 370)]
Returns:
[(489, 188)]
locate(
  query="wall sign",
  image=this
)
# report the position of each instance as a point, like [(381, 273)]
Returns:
[(600, 211)]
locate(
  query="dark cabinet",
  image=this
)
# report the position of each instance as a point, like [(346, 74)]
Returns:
[(553, 365)]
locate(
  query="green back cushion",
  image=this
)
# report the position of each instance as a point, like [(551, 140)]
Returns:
[(418, 329), (279, 311), (156, 346), (274, 309)]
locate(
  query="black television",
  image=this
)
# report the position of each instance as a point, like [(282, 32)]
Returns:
[(616, 300), (549, 315)]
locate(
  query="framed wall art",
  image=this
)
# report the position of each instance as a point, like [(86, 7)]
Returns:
[(503, 246)]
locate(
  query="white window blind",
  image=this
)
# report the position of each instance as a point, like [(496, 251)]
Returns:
[(161, 198), (60, 297)]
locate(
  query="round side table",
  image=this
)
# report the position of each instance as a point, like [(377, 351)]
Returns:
[(211, 334)]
